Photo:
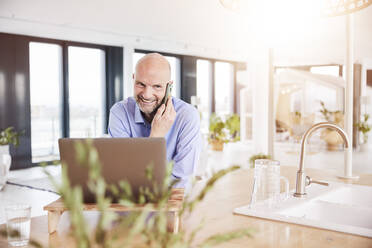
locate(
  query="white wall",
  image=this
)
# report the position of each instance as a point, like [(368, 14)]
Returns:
[(166, 26), (192, 27), (196, 27)]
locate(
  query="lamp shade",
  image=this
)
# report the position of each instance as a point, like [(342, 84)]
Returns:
[(344, 7)]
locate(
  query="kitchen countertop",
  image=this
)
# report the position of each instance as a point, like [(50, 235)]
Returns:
[(233, 191)]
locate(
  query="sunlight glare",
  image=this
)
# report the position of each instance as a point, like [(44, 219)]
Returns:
[(286, 20)]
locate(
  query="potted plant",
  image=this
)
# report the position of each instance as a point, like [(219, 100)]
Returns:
[(364, 128), (331, 137), (233, 127), (221, 131), (325, 112), (7, 136), (217, 133)]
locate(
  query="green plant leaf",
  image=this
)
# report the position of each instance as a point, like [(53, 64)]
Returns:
[(9, 136), (253, 158)]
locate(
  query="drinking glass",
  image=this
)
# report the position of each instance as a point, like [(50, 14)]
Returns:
[(266, 184), (18, 220)]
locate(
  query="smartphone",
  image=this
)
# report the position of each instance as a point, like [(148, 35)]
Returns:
[(168, 91)]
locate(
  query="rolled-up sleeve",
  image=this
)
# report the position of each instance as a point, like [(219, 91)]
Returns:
[(187, 150)]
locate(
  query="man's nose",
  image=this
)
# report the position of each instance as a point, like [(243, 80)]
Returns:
[(147, 93)]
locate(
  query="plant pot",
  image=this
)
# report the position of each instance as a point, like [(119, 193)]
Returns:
[(5, 161), (217, 145), (333, 139), (332, 147)]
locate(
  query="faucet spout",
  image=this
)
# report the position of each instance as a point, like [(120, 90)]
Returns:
[(301, 177)]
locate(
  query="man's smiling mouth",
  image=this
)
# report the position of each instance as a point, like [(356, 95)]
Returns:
[(147, 102)]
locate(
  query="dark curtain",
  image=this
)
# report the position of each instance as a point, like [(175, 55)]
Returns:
[(15, 94), (114, 78), (188, 78)]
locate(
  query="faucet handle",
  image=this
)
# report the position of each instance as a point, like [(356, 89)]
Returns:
[(310, 181)]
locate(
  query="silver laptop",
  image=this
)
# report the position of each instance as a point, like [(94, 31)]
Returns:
[(121, 159)]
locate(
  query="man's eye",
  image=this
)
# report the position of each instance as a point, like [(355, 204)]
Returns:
[(140, 84), (157, 86)]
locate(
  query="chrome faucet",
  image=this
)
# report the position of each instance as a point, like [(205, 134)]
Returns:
[(302, 180)]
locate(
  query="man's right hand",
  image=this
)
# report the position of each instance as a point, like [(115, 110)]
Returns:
[(163, 119)]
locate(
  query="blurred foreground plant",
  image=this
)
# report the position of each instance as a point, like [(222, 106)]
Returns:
[(144, 228), (253, 158)]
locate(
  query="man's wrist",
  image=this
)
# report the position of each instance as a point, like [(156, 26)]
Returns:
[(155, 135)]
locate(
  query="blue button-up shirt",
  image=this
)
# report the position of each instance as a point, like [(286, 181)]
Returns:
[(183, 139)]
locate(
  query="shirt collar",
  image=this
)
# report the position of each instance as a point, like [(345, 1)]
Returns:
[(138, 118)]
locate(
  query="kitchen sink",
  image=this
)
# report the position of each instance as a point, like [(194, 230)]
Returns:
[(338, 207), (350, 195)]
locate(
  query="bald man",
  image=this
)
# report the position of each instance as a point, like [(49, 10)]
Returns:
[(145, 116)]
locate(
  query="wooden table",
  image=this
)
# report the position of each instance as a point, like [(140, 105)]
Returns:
[(174, 205), (230, 192)]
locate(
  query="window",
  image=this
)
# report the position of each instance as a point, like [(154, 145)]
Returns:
[(59, 88), (86, 77), (45, 81), (332, 70), (71, 93), (203, 91), (175, 65), (224, 84), (136, 57), (86, 74)]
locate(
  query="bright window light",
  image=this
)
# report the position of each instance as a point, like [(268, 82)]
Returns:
[(224, 80), (332, 70), (45, 82), (86, 68), (203, 89)]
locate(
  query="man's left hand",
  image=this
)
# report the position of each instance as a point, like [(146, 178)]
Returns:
[(163, 119)]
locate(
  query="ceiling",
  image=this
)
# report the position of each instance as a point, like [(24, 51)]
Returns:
[(199, 24)]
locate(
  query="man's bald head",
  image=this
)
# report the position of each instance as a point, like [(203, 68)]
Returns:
[(154, 61)]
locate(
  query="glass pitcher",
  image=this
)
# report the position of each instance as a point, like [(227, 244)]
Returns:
[(266, 184)]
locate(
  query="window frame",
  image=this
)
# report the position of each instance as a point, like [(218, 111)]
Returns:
[(113, 89), (65, 118)]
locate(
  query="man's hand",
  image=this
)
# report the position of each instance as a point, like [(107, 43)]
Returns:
[(163, 119)]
